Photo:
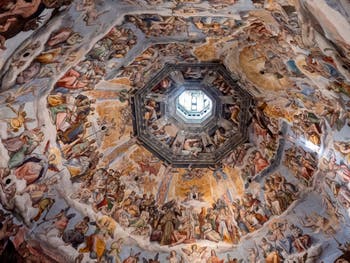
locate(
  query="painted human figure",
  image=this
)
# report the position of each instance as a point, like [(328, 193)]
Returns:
[(78, 148), (151, 113), (33, 168), (44, 205), (21, 146), (195, 254), (168, 226), (113, 255), (192, 146), (260, 162), (277, 235), (61, 109), (222, 228), (60, 222), (188, 222), (16, 11), (20, 120), (271, 198), (72, 80), (173, 258), (7, 249), (141, 224), (270, 253), (287, 192), (301, 242), (209, 233), (255, 214), (76, 236), (95, 244), (239, 216), (37, 191), (4, 28), (214, 258)]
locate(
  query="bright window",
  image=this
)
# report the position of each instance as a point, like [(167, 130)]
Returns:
[(194, 105)]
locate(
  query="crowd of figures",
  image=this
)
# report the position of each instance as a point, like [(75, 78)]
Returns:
[(159, 26), (175, 223), (150, 61), (261, 152), (14, 244), (153, 25), (77, 145), (303, 164), (168, 224), (17, 16), (57, 189), (90, 71), (281, 240)]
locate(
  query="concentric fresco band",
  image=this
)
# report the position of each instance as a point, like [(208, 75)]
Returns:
[(175, 131)]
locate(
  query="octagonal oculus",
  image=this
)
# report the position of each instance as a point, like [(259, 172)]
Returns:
[(193, 105)]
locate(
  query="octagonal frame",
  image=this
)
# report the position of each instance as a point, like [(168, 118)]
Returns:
[(204, 159)]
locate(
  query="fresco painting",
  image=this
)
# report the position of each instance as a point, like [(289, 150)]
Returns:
[(78, 184)]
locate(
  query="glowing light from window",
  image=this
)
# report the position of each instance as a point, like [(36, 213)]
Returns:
[(311, 146), (194, 105)]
